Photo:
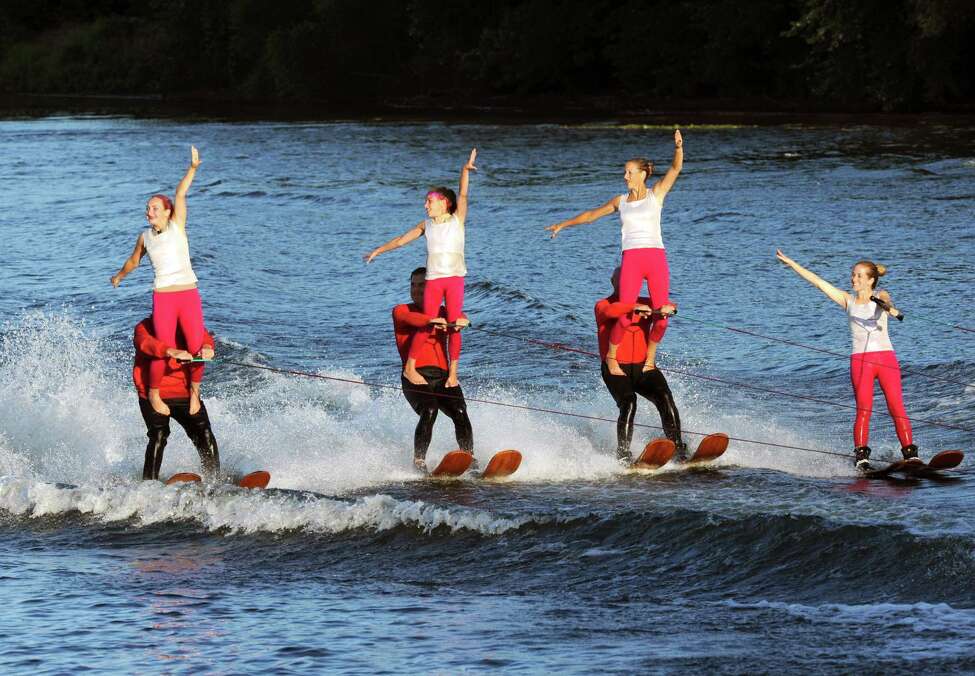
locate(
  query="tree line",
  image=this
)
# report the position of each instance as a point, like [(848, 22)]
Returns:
[(885, 55)]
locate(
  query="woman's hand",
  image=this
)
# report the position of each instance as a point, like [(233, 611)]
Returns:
[(678, 139), (558, 227), (470, 162), (785, 259), (116, 280), (194, 157), (372, 254)]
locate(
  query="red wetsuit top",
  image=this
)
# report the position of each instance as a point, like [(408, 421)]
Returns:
[(176, 380), (633, 348), (409, 317)]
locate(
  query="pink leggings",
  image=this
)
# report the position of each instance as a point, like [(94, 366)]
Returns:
[(169, 309), (883, 366), (451, 288), (640, 264)]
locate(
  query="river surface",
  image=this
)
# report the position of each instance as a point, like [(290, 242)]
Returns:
[(776, 558)]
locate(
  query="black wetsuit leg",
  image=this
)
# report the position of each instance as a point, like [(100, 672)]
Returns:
[(621, 387), (198, 429), (455, 407), (425, 406), (653, 385), (157, 429)]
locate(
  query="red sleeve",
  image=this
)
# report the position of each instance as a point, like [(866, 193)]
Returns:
[(402, 315), (606, 311), (147, 344)]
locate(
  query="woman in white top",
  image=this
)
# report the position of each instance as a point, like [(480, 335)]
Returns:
[(872, 357), (175, 297), (444, 230), (644, 256)]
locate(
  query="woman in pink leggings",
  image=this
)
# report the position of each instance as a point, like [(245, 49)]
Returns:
[(444, 230), (175, 298), (643, 247), (873, 355)]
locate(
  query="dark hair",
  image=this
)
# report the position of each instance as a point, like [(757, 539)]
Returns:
[(876, 271), (419, 271), (449, 194), (167, 203), (644, 164)]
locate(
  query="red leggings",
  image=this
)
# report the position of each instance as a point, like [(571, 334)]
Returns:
[(640, 264), (451, 289), (170, 309), (864, 369)]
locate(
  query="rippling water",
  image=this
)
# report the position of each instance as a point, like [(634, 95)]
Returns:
[(776, 559)]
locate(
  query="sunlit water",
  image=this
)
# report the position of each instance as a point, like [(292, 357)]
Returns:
[(777, 559)]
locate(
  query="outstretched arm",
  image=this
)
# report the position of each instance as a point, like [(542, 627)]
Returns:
[(836, 295), (396, 242), (179, 204), (131, 263), (461, 211), (663, 186), (586, 216)]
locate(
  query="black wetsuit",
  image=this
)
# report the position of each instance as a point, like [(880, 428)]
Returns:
[(652, 386), (197, 428), (423, 400)]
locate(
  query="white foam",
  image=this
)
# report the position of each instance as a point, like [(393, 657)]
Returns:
[(238, 511)]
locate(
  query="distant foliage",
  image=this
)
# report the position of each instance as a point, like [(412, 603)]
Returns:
[(867, 54)]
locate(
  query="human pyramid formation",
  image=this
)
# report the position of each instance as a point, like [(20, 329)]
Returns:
[(173, 344)]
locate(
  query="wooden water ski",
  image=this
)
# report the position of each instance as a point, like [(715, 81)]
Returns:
[(710, 448), (453, 464), (183, 477), (656, 454), (258, 479), (504, 463), (915, 467)]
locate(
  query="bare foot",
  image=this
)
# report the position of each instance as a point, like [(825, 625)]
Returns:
[(614, 367), (194, 402), (651, 360), (158, 405), (452, 382), (412, 375)]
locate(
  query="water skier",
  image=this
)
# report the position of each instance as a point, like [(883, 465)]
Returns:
[(175, 388), (644, 256), (409, 320), (444, 230), (631, 356), (175, 297), (872, 357)]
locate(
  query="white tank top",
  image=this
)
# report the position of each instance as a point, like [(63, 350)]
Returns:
[(641, 223), (445, 248), (868, 327), (169, 252)]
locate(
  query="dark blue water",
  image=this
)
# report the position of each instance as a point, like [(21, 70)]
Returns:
[(776, 559)]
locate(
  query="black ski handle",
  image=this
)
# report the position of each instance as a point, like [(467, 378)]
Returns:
[(886, 307)]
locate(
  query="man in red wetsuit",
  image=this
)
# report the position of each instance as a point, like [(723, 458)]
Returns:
[(175, 391), (432, 364), (631, 355)]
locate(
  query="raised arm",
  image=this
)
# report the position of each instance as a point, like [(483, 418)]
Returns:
[(396, 242), (461, 211), (663, 186), (131, 263), (179, 204), (586, 216), (836, 295)]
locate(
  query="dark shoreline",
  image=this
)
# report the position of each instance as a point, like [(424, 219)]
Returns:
[(536, 110)]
